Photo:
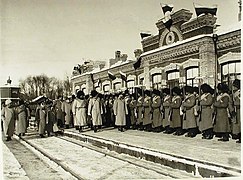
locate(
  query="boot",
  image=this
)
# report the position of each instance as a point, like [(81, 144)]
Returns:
[(8, 138), (225, 138), (76, 127), (80, 129), (95, 129)]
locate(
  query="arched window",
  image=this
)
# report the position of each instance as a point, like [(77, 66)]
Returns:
[(130, 83), (106, 88), (230, 71), (191, 74), (156, 80), (117, 85), (173, 78)]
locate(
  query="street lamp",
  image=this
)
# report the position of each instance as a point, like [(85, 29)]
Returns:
[(215, 39)]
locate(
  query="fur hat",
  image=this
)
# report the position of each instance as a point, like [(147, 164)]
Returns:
[(156, 92), (166, 91), (223, 87), (94, 93), (176, 90), (236, 83)]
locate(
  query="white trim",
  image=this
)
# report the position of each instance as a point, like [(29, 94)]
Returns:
[(190, 63), (155, 70), (172, 66), (229, 57)]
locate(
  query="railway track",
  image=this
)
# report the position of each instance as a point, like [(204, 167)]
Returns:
[(118, 165)]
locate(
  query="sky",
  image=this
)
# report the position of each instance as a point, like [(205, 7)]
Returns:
[(51, 36)]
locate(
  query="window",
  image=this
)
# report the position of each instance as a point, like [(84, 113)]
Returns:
[(117, 86), (130, 83), (141, 81), (230, 72), (106, 88), (173, 75), (173, 78), (156, 79), (191, 74)]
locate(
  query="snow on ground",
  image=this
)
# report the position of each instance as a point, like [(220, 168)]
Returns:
[(11, 167), (90, 164)]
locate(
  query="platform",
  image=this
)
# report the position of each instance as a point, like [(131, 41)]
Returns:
[(205, 158)]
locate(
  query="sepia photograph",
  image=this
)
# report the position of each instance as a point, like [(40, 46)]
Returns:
[(120, 89)]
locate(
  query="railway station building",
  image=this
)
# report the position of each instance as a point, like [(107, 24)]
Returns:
[(191, 52)]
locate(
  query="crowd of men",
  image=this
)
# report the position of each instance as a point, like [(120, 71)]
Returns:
[(188, 111)]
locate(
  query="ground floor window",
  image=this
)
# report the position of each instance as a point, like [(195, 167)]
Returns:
[(230, 71), (106, 88), (117, 86), (156, 80), (191, 74), (141, 81), (130, 83), (173, 78)]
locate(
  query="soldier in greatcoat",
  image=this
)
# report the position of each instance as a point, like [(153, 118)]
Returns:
[(59, 112), (8, 117), (156, 110), (221, 105), (147, 120), (140, 109), (235, 111), (50, 117), (110, 105), (42, 123), (166, 110), (133, 110), (205, 112), (189, 119), (79, 111), (21, 112), (175, 111), (120, 111), (127, 99), (95, 110), (67, 112)]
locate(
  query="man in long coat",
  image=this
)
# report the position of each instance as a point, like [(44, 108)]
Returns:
[(175, 111), (120, 111), (42, 123), (79, 111), (21, 118), (166, 109), (221, 105), (156, 110), (189, 120), (147, 120), (140, 109), (235, 111), (8, 117), (206, 111), (95, 110)]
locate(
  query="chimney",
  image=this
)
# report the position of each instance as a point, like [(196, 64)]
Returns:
[(137, 53), (118, 55), (123, 57), (9, 81)]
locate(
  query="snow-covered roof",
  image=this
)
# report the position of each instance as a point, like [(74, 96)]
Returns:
[(224, 30)]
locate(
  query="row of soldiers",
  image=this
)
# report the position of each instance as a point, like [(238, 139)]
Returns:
[(186, 110)]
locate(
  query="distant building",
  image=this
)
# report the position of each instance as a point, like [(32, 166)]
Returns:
[(9, 91), (191, 52)]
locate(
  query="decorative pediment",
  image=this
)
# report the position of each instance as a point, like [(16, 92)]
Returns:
[(229, 57), (155, 70), (172, 66), (190, 63)]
